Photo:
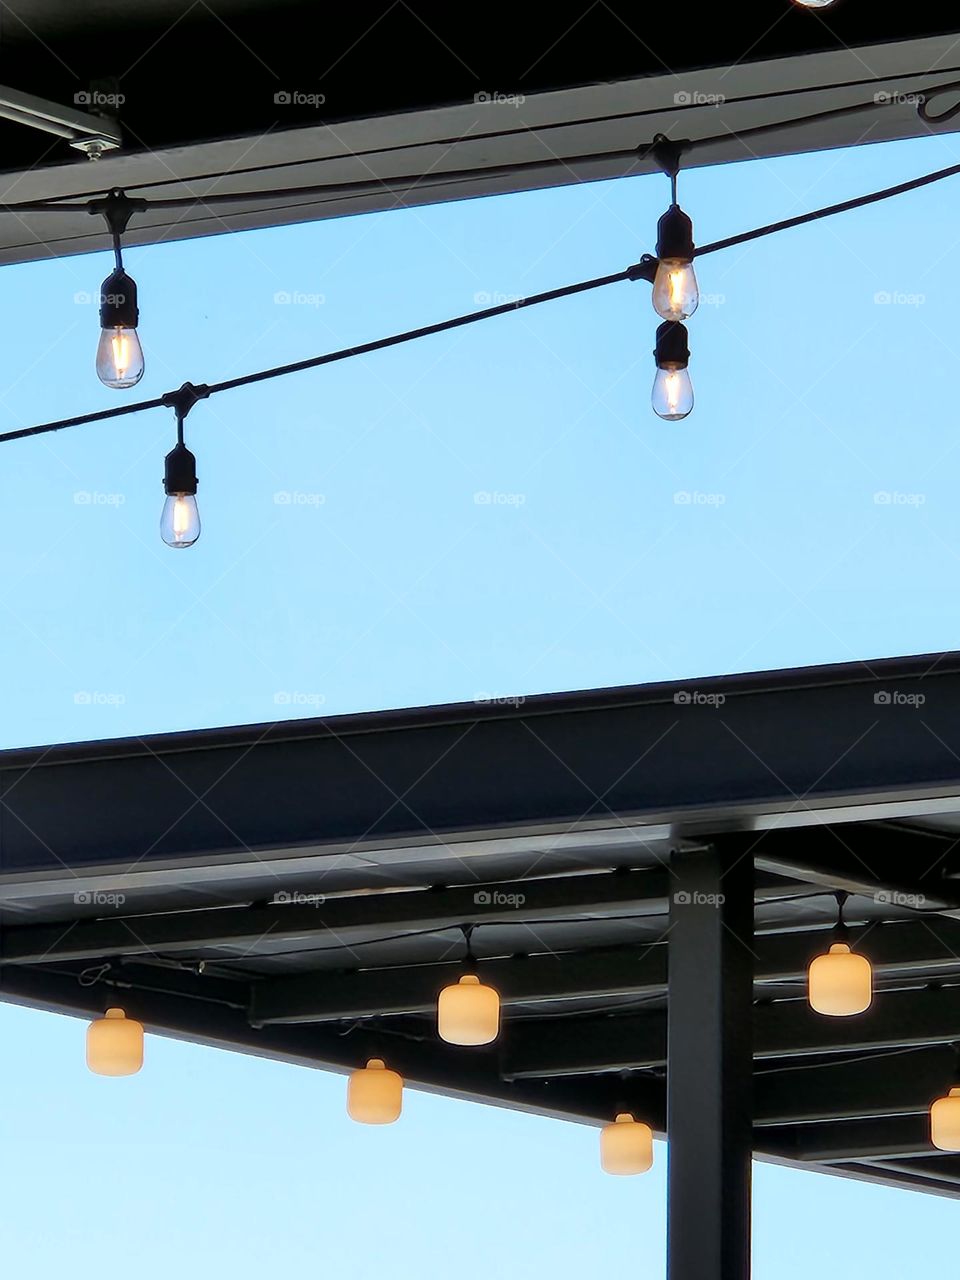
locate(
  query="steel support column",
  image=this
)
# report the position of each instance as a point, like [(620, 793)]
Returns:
[(709, 1066)]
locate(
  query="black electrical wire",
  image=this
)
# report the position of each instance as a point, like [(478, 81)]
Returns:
[(638, 271), (434, 177)]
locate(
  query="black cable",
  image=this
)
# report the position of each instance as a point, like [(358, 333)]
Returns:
[(857, 202), (333, 356), (437, 177), (639, 271)]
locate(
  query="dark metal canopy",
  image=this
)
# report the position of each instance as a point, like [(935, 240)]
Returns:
[(387, 104), (298, 890)]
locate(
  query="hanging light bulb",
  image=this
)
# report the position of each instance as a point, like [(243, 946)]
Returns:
[(115, 1045), (945, 1113), (675, 292), (626, 1146), (374, 1094), (814, 4), (468, 1012), (180, 519), (119, 354), (945, 1121), (840, 982), (672, 396)]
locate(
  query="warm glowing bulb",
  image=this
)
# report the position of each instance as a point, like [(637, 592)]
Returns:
[(675, 292), (945, 1121), (115, 1045), (626, 1146), (374, 1094), (672, 396), (468, 1013), (840, 983), (180, 521), (119, 357), (814, 4)]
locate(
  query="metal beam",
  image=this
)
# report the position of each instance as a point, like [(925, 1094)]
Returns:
[(894, 867), (901, 1136), (709, 1071), (341, 920), (665, 752), (621, 971), (324, 997), (886, 1086), (543, 1048)]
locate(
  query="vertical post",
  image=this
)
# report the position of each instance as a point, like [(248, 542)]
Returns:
[(710, 1065)]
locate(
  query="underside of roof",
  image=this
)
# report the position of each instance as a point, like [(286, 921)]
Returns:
[(396, 104), (298, 891)]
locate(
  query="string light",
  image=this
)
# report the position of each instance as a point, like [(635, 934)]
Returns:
[(119, 353), (374, 1094), (945, 1113), (672, 392), (840, 983), (180, 518), (626, 1146), (672, 395), (676, 295), (468, 1012), (115, 1045)]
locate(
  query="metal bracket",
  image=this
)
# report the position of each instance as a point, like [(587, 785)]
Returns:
[(89, 133)]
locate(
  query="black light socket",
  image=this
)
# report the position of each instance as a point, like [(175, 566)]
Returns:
[(672, 350), (118, 301), (675, 234), (179, 471)]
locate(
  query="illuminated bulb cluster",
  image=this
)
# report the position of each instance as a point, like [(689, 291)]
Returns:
[(839, 985), (675, 299)]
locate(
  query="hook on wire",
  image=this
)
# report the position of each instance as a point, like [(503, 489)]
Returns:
[(941, 117)]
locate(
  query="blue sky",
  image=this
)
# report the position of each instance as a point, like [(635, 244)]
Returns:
[(347, 564)]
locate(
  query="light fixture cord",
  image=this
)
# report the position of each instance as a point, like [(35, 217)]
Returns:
[(638, 271), (469, 959)]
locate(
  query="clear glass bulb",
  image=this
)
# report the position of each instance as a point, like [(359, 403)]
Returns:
[(180, 521), (119, 357), (675, 292), (672, 396)]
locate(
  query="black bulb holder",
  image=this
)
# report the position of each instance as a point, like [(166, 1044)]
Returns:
[(180, 466), (672, 350), (675, 235), (179, 471), (118, 301)]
